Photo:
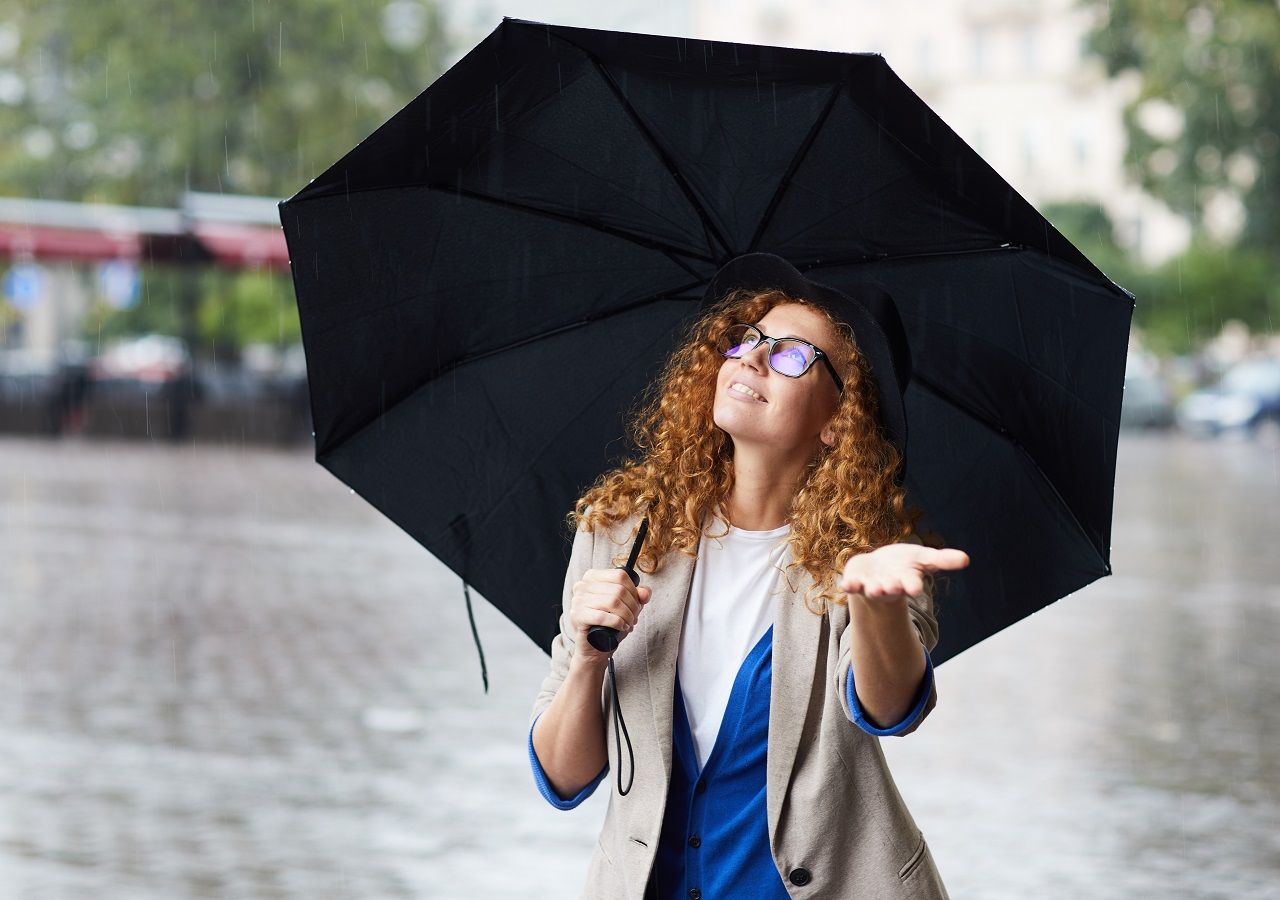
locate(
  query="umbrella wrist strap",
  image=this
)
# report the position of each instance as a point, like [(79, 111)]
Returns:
[(619, 721)]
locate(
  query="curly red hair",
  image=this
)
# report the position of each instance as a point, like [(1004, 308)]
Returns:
[(848, 503)]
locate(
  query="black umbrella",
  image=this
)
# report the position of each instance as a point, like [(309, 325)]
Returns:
[(490, 280)]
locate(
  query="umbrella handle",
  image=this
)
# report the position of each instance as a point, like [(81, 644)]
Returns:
[(601, 637)]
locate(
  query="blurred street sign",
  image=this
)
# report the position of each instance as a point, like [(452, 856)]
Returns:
[(24, 285), (119, 283)]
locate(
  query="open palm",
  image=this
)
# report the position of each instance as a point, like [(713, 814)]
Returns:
[(888, 572)]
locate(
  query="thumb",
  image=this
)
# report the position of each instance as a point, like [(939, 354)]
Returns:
[(645, 593), (949, 559)]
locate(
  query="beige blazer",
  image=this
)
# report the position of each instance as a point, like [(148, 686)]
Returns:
[(832, 804)]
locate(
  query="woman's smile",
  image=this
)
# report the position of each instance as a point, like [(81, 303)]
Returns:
[(740, 391)]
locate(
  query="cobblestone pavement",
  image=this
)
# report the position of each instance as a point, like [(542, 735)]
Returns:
[(228, 677)]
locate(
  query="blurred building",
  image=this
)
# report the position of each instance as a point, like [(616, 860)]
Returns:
[(57, 256), (1010, 76)]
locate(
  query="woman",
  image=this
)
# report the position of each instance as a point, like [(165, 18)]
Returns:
[(783, 619)]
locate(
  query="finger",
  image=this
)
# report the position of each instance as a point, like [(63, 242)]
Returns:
[(883, 588), (609, 576), (913, 585), (605, 617), (850, 581), (620, 578), (606, 594), (947, 559)]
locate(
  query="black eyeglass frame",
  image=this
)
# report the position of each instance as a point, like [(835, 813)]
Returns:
[(818, 354)]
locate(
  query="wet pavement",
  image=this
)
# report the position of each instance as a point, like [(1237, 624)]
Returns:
[(226, 676)]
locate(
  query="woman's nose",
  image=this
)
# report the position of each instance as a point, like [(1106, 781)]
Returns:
[(757, 357)]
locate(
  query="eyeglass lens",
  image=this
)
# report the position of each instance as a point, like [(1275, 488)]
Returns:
[(788, 357)]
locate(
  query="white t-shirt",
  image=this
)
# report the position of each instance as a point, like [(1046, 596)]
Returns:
[(730, 608)]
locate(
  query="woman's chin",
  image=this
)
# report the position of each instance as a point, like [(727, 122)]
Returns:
[(738, 427)]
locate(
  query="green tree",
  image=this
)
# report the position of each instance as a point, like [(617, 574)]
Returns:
[(1192, 295), (135, 102), (1205, 123), (236, 308)]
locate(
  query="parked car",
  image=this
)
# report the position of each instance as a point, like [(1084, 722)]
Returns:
[(1246, 398)]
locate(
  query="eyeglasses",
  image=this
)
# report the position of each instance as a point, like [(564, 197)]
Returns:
[(787, 356)]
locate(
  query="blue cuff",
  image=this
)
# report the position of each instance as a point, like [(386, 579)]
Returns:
[(860, 719), (544, 786)]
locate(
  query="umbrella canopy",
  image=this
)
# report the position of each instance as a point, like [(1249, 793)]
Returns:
[(490, 281)]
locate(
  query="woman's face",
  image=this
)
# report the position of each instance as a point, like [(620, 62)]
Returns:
[(793, 412)]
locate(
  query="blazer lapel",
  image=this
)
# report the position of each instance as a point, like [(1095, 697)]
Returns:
[(796, 636), (662, 624), (797, 633)]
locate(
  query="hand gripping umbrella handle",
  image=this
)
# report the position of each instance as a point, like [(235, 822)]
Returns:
[(601, 637)]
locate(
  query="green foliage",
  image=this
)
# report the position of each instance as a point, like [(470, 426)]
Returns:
[(252, 307), (1194, 294), (136, 102), (1206, 118), (234, 309)]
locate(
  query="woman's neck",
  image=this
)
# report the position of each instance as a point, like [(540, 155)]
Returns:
[(762, 494)]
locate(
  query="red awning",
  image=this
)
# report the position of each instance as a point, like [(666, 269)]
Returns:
[(69, 244), (243, 246), (88, 233)]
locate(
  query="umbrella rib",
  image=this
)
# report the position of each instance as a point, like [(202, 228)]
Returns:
[(800, 154), (657, 147), (550, 441), (569, 326), (821, 263), (994, 346), (1002, 432), (843, 210), (650, 243)]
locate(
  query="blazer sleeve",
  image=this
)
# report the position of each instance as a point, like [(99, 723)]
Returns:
[(923, 617), (562, 647)]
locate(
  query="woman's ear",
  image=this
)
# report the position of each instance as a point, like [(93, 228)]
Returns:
[(828, 434)]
